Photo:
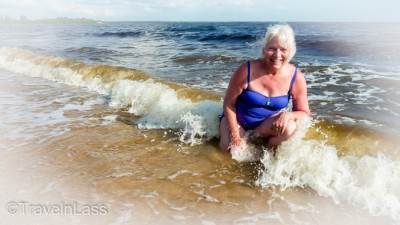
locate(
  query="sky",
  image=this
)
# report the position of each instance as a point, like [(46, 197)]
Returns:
[(207, 10)]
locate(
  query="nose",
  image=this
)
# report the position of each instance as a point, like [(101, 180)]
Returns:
[(278, 53)]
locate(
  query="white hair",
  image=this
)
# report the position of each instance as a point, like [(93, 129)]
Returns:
[(285, 36)]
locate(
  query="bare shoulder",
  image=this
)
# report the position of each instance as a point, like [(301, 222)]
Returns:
[(291, 69), (299, 81), (240, 76), (256, 61), (299, 74), (256, 64), (236, 85), (243, 68)]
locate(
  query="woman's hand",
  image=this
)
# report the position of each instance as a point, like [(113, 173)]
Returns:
[(280, 123), (236, 141)]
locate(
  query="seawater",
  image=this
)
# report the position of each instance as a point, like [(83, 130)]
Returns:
[(126, 115)]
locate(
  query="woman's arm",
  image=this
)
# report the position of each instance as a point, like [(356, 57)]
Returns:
[(299, 96), (300, 104), (237, 84)]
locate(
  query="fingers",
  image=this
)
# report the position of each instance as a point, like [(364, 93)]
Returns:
[(275, 129), (279, 125), (235, 142), (282, 131), (278, 130)]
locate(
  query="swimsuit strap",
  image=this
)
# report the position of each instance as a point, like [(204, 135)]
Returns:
[(294, 76), (248, 74)]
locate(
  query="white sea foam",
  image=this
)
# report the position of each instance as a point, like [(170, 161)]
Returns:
[(247, 152), (157, 105), (367, 182)]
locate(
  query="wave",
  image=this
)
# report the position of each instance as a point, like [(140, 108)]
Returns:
[(370, 183), (197, 28), (366, 182), (122, 34), (332, 48), (227, 37), (158, 103), (206, 58), (92, 53), (90, 50), (350, 48), (205, 33)]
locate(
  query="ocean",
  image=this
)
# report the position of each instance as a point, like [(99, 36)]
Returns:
[(117, 123)]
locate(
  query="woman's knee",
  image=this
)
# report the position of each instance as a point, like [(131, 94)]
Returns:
[(291, 128)]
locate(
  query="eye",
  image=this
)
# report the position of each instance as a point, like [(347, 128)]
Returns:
[(283, 49)]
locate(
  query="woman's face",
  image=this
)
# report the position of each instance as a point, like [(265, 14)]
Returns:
[(275, 54)]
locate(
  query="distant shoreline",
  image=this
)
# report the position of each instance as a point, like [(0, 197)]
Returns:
[(58, 20)]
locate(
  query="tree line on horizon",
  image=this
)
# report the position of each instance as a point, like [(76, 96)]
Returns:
[(58, 20)]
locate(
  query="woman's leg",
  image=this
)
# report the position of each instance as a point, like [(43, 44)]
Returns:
[(225, 135), (265, 129)]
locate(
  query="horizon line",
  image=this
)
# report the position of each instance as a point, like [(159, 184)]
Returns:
[(23, 18)]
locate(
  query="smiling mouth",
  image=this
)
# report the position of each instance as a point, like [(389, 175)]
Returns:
[(277, 60)]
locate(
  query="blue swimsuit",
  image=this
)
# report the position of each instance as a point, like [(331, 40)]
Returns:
[(252, 108)]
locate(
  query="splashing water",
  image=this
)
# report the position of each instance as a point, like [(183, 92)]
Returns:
[(365, 182)]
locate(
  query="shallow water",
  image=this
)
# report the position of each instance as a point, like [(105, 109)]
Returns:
[(145, 148)]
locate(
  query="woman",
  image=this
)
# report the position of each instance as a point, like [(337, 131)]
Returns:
[(259, 89)]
